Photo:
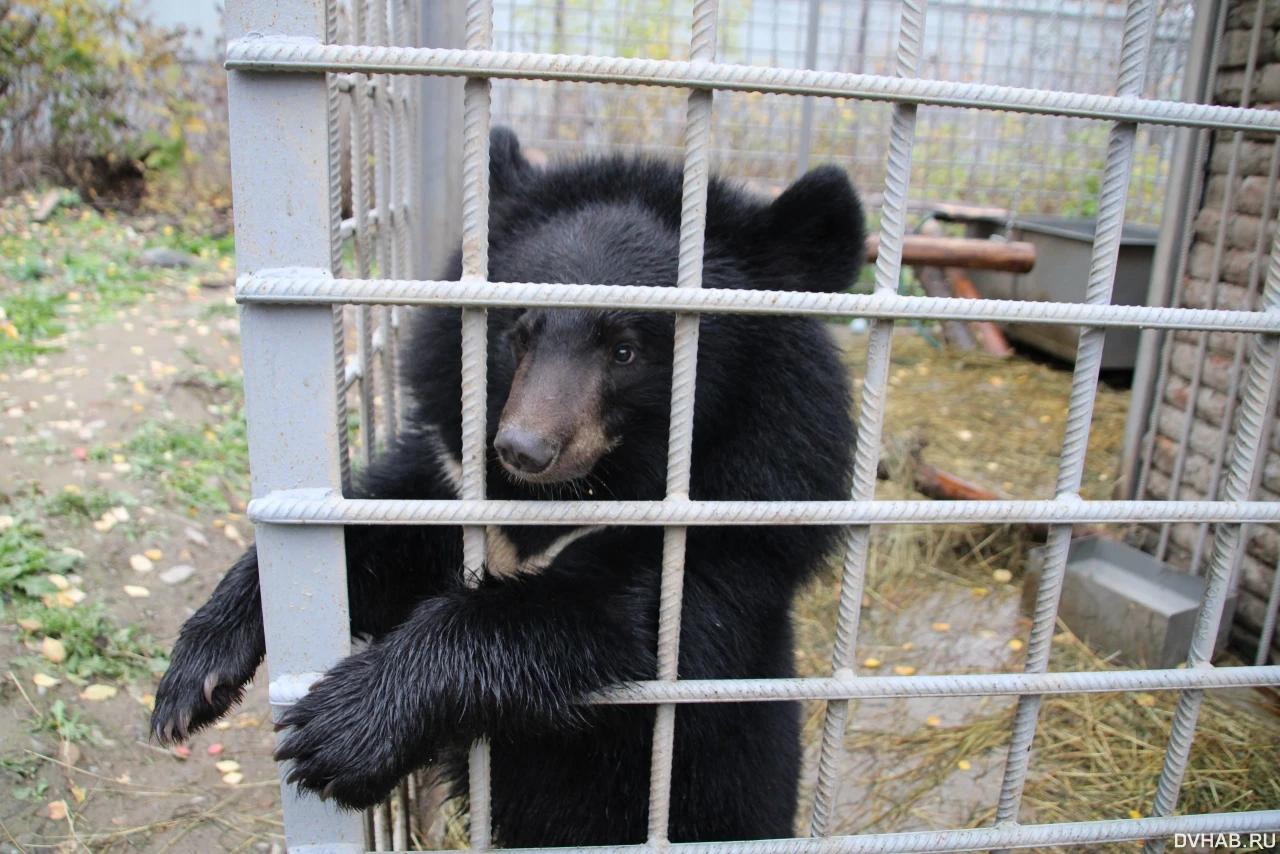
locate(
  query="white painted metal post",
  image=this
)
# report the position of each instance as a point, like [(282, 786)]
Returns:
[(281, 157)]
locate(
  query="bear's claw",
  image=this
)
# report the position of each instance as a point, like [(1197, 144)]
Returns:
[(210, 682), (206, 677)]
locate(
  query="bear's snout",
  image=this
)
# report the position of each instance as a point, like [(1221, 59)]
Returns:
[(524, 450)]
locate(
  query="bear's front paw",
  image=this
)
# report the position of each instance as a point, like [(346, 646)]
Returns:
[(205, 678), (346, 737)]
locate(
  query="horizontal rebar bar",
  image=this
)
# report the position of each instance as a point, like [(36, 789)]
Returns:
[(289, 689), (318, 507), (262, 53), (303, 289), (969, 839)]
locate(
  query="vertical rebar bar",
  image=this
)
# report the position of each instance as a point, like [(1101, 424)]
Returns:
[(1269, 619), (893, 224), (400, 817), (1114, 193), (1257, 409), (400, 145), (476, 105), (361, 191), (335, 247), (384, 244), (1237, 358), (805, 144), (382, 826), (413, 176), (693, 226), (397, 203)]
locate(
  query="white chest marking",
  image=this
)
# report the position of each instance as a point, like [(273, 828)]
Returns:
[(503, 557), (504, 560)]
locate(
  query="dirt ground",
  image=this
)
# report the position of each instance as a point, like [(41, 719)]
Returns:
[(122, 482), (136, 363)]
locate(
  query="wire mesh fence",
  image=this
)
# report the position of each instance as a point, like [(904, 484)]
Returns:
[(1032, 164), (287, 84)]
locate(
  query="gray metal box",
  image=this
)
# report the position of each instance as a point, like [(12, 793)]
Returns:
[(1122, 600), (1064, 249)]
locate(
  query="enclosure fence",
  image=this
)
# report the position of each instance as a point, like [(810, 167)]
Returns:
[(286, 79), (1039, 165)]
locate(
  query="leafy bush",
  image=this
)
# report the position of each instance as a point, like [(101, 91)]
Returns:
[(92, 95)]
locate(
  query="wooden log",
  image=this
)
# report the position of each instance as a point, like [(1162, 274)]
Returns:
[(962, 252), (934, 282), (933, 482), (993, 340), (950, 211), (957, 332), (903, 455)]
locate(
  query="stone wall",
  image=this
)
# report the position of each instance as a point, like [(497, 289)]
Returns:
[(1239, 258)]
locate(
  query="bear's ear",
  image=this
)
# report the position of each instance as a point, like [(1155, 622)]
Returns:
[(507, 166), (812, 237)]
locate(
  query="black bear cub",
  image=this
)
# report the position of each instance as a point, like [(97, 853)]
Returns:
[(578, 409)]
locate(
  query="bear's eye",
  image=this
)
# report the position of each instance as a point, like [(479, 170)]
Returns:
[(520, 340), (624, 354)]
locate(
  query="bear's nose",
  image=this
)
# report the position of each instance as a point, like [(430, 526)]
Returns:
[(524, 450)]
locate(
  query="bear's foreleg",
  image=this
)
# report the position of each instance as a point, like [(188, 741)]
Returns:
[(507, 658)]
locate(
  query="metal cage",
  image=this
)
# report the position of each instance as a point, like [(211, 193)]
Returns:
[(287, 76)]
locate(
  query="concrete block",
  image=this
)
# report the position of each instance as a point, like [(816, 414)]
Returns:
[(1211, 404), (1241, 14), (1248, 194), (1214, 368), (1121, 600), (1242, 230), (1255, 578), (1228, 297), (1236, 265), (1235, 48), (1255, 157), (1158, 488)]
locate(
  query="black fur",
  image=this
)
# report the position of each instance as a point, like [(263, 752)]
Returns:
[(510, 659)]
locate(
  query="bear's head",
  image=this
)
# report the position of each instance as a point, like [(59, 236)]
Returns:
[(587, 393)]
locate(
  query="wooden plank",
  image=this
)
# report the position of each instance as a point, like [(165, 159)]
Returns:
[(963, 252)]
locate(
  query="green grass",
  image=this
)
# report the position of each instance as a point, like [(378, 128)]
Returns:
[(26, 559), (66, 725), (200, 245), (87, 505), (79, 268), (97, 649), (216, 310), (28, 318), (194, 465), (25, 767)]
